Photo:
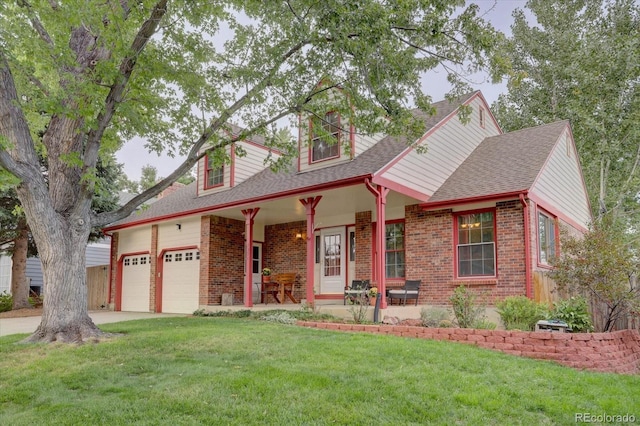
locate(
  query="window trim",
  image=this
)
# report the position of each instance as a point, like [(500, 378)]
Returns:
[(206, 174), (456, 265), (312, 139), (552, 219), (404, 247), (482, 117)]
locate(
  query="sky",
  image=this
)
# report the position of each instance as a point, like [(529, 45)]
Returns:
[(134, 155)]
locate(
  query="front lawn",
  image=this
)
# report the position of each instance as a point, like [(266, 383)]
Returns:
[(188, 371)]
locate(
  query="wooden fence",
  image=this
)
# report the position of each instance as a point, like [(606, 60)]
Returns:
[(97, 287), (545, 290)]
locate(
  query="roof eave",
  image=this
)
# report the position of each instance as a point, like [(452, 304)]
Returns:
[(437, 205)]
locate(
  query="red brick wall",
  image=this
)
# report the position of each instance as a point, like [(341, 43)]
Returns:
[(283, 252), (205, 258), (113, 271), (429, 244), (617, 352), (221, 260), (364, 246)]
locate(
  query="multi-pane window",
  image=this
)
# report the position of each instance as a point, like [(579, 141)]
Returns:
[(476, 244), (143, 260), (325, 137), (168, 257), (215, 175), (332, 255), (178, 257), (394, 250), (546, 238)]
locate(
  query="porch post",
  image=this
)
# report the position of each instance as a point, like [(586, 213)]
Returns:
[(310, 206), (380, 192), (249, 215)]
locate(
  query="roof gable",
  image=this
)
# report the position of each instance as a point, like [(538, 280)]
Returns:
[(502, 164)]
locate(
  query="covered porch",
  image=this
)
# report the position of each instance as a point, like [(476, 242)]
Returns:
[(327, 238)]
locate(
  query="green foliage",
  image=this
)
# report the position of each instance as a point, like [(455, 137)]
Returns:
[(466, 308), (243, 313), (435, 317), (579, 60), (521, 313), (602, 264), (574, 312), (6, 302)]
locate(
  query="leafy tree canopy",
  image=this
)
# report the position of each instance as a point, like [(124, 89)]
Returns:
[(580, 60)]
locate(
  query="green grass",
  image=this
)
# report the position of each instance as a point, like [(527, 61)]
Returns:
[(188, 371)]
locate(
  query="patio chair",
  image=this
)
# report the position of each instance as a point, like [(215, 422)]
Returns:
[(358, 289), (410, 290)]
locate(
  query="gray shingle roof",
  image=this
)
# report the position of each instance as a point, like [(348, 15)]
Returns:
[(266, 183), (502, 164)]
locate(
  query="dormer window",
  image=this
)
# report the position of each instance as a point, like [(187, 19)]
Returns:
[(325, 137), (215, 175)]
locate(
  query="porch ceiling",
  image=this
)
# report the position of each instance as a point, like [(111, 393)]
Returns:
[(346, 200)]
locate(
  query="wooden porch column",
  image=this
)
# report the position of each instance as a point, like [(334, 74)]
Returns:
[(310, 206), (380, 192), (249, 215)]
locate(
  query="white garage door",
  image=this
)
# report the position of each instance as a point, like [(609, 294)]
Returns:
[(180, 281), (135, 283)]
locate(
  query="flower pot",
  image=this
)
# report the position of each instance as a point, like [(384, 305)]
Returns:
[(266, 278), (372, 300)]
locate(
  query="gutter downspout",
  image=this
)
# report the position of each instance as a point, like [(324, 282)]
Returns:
[(527, 247)]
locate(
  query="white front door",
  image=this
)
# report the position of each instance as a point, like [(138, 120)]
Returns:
[(332, 260)]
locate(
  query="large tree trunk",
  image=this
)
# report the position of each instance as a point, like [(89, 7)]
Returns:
[(65, 316), (19, 281)]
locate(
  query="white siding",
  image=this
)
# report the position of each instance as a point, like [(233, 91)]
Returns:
[(134, 240), (180, 282), (250, 164), (188, 235), (305, 150), (560, 183), (447, 147)]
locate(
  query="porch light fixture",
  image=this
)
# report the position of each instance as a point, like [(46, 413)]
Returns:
[(178, 226), (299, 236)]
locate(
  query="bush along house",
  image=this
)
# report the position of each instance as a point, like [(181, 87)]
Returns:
[(479, 208)]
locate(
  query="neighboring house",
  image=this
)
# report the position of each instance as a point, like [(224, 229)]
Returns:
[(479, 208), (97, 254)]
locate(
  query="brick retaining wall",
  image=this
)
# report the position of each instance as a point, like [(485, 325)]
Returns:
[(616, 352)]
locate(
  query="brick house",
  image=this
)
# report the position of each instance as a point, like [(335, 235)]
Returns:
[(479, 208)]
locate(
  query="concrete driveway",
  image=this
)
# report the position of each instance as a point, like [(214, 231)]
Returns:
[(29, 324)]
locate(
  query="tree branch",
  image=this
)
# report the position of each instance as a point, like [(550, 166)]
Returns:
[(423, 50), (194, 154), (37, 25)]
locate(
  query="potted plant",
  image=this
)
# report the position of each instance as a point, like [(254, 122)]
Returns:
[(373, 293), (266, 275)]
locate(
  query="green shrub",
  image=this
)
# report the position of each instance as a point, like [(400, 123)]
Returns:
[(434, 317), (6, 302), (483, 324), (575, 313), (521, 313), (465, 308)]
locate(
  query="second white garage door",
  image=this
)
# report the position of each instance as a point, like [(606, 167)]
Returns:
[(180, 281)]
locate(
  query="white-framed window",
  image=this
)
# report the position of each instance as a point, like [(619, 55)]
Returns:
[(325, 137), (394, 250), (214, 175), (475, 244), (547, 238)]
